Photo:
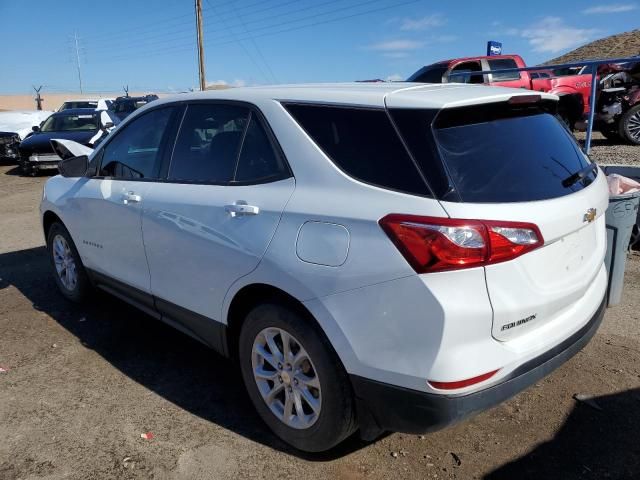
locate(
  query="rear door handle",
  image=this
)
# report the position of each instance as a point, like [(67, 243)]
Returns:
[(241, 208), (131, 197)]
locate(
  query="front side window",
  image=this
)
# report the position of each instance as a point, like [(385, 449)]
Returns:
[(208, 144), (363, 143), (135, 152), (502, 64)]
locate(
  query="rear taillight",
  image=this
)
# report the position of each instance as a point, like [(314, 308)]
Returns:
[(436, 244)]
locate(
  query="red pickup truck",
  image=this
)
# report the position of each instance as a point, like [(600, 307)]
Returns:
[(573, 90)]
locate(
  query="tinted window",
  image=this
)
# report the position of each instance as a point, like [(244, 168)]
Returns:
[(135, 151), (61, 122), (500, 64), (467, 68), (208, 143), (431, 74), (514, 158), (363, 143), (258, 160), (415, 127)]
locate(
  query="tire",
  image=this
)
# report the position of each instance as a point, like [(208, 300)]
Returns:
[(334, 418), (68, 271), (630, 125), (611, 135)]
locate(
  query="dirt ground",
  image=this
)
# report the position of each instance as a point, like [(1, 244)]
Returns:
[(83, 383)]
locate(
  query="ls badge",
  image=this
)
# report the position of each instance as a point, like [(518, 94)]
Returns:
[(590, 216)]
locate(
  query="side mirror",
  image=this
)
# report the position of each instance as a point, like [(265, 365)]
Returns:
[(35, 128), (74, 167)]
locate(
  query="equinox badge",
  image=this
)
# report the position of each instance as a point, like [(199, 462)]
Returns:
[(590, 216)]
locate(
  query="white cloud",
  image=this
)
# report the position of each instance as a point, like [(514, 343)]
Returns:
[(611, 8), (396, 54), (396, 45), (225, 84), (430, 21), (396, 77), (552, 35)]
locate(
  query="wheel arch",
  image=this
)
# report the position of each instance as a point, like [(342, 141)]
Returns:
[(249, 297), (49, 218)]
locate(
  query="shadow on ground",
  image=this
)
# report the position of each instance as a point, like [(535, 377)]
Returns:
[(153, 354), (591, 444)]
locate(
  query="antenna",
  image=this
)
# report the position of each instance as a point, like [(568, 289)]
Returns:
[(126, 90)]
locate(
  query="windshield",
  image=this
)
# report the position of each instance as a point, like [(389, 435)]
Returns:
[(128, 107), (79, 104), (430, 74), (70, 123)]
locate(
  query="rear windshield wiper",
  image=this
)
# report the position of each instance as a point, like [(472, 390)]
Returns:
[(579, 175)]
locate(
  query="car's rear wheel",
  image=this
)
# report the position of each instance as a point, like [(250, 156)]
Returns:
[(630, 125), (294, 379), (69, 272)]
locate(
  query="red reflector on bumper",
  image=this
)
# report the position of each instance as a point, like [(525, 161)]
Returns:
[(461, 383)]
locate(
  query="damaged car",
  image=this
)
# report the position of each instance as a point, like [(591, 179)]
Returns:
[(15, 126), (618, 105), (82, 125)]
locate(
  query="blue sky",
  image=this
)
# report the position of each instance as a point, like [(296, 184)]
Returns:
[(151, 45)]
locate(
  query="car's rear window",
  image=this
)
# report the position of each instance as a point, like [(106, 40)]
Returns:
[(495, 153), (363, 143)]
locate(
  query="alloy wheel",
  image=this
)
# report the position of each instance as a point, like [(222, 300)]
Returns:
[(65, 263), (286, 378)]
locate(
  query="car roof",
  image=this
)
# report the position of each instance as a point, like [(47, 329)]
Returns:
[(77, 111), (393, 94)]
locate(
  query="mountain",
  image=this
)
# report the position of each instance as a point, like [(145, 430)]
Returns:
[(625, 44)]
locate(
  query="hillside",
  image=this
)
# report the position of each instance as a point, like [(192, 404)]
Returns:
[(625, 44)]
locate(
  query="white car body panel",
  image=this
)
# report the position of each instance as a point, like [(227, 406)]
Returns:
[(385, 322)]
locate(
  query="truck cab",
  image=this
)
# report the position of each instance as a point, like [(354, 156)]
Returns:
[(573, 90)]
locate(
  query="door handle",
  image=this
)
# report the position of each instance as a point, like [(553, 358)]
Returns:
[(241, 208), (131, 197)]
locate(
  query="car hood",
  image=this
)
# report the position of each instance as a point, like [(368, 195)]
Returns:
[(40, 142)]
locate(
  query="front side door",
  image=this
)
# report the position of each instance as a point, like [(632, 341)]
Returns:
[(210, 223), (106, 210)]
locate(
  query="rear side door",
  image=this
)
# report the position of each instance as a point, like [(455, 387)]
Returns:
[(105, 211), (212, 219)]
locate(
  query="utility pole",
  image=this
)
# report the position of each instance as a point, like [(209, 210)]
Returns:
[(75, 37), (201, 72)]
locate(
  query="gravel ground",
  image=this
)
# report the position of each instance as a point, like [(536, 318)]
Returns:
[(606, 152), (83, 383)]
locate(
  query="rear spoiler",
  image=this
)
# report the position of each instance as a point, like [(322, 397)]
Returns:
[(68, 148)]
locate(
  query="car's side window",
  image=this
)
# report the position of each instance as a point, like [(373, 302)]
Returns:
[(208, 143), (135, 153), (258, 160)]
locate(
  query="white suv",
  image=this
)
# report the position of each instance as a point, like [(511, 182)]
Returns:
[(375, 256)]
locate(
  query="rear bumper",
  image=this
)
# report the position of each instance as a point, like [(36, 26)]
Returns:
[(383, 407)]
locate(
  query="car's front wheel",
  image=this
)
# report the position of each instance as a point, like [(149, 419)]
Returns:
[(295, 379), (630, 125), (69, 272)]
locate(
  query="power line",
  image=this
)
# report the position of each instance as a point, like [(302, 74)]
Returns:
[(242, 46), (183, 33), (172, 40), (181, 48)]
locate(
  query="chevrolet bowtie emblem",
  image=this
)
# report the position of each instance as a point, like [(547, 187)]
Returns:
[(590, 216)]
